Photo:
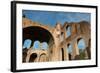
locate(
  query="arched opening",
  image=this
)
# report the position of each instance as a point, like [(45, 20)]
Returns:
[(62, 51), (27, 43), (44, 45), (81, 43), (33, 57), (81, 46), (69, 49), (68, 31), (43, 58), (36, 45), (62, 36)]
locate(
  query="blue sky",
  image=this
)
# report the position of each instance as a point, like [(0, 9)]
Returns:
[(51, 18), (27, 43), (81, 44), (36, 44), (68, 32)]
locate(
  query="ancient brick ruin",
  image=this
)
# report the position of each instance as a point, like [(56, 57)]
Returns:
[(57, 40)]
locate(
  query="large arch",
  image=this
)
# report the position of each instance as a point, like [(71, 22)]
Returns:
[(84, 53), (35, 33)]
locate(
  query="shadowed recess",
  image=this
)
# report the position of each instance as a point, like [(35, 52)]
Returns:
[(33, 57), (37, 33)]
